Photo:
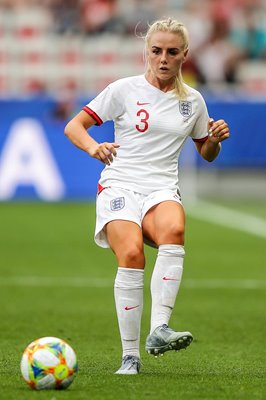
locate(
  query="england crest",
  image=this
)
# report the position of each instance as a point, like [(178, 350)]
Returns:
[(185, 108), (117, 204)]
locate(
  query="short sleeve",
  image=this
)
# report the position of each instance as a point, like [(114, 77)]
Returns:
[(200, 129), (106, 106)]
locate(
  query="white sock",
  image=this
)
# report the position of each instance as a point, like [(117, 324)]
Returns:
[(128, 290), (165, 283)]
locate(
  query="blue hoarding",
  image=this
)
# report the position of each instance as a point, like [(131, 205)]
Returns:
[(38, 162)]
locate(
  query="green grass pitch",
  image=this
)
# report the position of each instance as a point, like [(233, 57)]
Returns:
[(54, 281)]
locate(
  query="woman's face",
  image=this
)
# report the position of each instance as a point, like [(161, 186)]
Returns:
[(165, 54)]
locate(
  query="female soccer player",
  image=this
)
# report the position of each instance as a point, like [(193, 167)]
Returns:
[(139, 199)]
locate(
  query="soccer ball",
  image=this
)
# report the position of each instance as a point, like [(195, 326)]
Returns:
[(48, 363)]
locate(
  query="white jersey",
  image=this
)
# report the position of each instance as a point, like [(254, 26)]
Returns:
[(151, 127)]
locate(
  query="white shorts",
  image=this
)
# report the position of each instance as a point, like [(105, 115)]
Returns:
[(115, 203)]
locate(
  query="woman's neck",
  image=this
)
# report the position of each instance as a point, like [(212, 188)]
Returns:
[(164, 86)]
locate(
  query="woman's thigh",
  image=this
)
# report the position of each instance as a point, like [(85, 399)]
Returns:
[(165, 223), (115, 204), (126, 240)]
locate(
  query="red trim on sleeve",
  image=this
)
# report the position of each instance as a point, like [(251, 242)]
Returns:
[(202, 140), (93, 115)]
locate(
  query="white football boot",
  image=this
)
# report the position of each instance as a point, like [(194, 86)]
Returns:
[(164, 339), (130, 366)]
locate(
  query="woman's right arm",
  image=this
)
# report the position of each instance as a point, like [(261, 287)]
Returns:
[(76, 131)]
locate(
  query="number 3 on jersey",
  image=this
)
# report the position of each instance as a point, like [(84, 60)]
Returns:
[(144, 116)]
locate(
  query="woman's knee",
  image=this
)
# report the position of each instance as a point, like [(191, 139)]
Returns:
[(131, 256), (172, 234), (165, 223)]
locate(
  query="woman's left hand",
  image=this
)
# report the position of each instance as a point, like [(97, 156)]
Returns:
[(218, 130)]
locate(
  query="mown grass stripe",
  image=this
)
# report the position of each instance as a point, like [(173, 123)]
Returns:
[(47, 281), (227, 217)]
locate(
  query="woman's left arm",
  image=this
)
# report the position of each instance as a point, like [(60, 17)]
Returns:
[(218, 131)]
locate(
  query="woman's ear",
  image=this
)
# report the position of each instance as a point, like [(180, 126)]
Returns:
[(185, 55)]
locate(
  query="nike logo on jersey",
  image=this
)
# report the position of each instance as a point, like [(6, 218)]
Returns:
[(141, 104), (169, 279), (130, 308)]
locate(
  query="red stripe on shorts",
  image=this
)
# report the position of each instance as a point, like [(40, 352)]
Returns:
[(100, 188)]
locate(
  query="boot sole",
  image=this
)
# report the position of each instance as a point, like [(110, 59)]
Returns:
[(176, 344)]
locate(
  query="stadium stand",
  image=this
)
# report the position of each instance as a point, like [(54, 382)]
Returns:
[(82, 45)]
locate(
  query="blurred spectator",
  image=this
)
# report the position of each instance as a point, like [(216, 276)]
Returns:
[(249, 33), (196, 18), (216, 59), (99, 16), (191, 73), (65, 100), (63, 110), (65, 14), (137, 14)]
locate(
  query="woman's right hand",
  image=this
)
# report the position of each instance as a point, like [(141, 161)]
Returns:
[(77, 132), (104, 152)]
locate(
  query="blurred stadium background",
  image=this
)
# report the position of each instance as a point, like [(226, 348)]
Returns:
[(55, 55)]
